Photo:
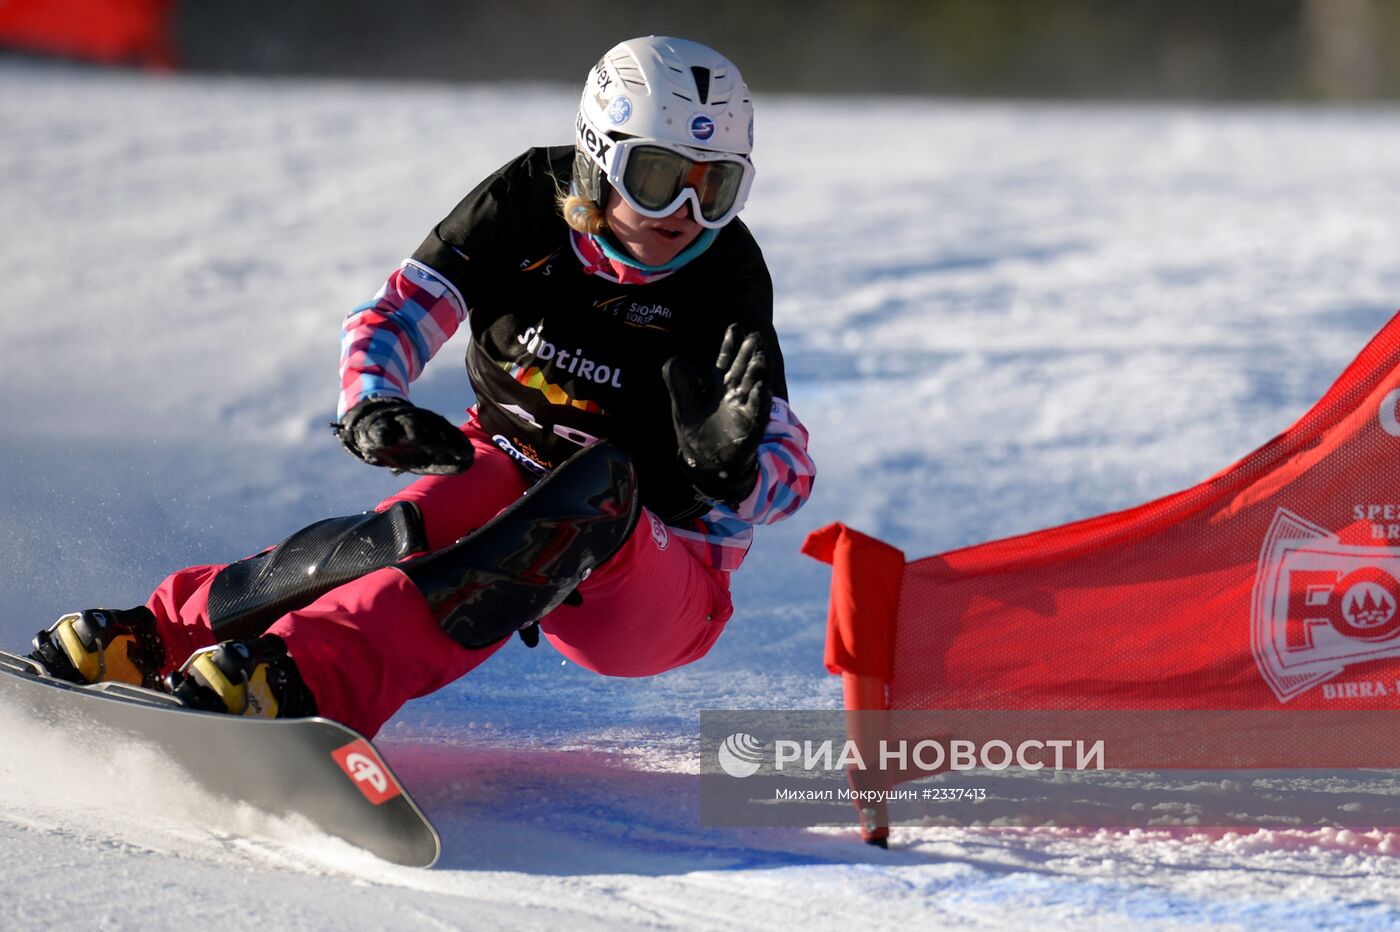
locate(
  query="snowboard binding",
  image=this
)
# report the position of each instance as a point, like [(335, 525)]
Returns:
[(102, 645), (255, 678)]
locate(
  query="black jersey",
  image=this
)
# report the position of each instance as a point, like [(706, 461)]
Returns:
[(559, 356)]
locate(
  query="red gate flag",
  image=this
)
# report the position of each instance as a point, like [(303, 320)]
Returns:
[(107, 31), (1274, 584)]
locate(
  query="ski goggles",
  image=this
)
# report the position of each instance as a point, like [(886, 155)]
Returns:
[(656, 178)]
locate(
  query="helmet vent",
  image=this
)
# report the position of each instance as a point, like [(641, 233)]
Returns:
[(702, 82), (630, 73)]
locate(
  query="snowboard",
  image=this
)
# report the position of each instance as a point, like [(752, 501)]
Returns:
[(309, 767)]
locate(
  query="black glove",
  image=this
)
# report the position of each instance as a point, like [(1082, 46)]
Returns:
[(720, 417), (395, 433)]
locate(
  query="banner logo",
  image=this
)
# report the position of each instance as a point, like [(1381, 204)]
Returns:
[(1390, 422), (1320, 605)]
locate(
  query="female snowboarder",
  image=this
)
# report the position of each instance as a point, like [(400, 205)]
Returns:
[(630, 428)]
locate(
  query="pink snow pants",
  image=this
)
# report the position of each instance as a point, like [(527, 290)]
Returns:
[(369, 646)]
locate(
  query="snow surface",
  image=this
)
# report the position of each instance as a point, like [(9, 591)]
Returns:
[(996, 317)]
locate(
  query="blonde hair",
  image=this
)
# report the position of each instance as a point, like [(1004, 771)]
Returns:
[(581, 213)]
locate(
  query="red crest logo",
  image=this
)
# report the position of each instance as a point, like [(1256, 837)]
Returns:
[(1320, 605)]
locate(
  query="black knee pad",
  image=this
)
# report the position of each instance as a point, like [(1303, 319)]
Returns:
[(248, 596), (524, 562)]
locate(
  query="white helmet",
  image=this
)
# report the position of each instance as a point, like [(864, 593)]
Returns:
[(665, 121)]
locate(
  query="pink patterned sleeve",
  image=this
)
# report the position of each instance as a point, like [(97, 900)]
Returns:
[(386, 342), (785, 471)]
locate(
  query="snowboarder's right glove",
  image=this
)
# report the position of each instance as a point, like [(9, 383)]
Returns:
[(396, 433), (720, 417)]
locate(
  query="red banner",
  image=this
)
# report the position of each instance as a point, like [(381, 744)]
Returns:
[(1274, 584), (107, 31)]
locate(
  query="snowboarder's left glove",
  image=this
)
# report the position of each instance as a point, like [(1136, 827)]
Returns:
[(720, 417), (396, 433)]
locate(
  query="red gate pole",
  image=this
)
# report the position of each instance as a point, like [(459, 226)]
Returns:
[(867, 724), (865, 584)]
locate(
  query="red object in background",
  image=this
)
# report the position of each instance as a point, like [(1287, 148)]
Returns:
[(106, 31), (1274, 584)]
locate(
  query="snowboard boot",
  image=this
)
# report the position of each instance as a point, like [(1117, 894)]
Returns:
[(255, 677), (524, 562), (102, 645)]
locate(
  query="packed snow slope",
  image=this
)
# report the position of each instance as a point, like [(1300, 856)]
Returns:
[(996, 317)]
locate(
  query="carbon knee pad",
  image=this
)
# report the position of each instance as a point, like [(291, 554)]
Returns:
[(248, 596), (524, 562)]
